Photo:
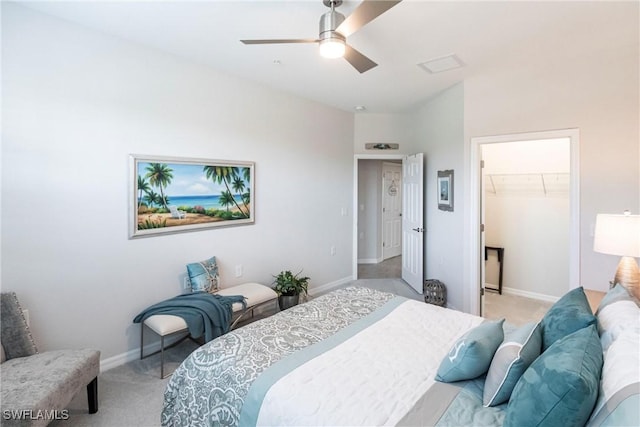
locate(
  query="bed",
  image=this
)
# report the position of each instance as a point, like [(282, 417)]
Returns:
[(356, 356)]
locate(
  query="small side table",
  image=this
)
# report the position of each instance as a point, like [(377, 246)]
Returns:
[(594, 298), (500, 261)]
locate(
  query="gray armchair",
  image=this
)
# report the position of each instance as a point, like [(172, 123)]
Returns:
[(37, 387)]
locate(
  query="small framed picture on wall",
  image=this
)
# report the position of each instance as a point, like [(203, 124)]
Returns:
[(445, 190)]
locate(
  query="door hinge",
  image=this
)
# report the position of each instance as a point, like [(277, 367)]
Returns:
[(481, 292), (482, 228), (383, 244), (481, 164)]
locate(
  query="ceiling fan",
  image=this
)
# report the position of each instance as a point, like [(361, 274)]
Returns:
[(335, 28)]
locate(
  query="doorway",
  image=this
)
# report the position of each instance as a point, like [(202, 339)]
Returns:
[(526, 226), (386, 241), (475, 255), (379, 212)]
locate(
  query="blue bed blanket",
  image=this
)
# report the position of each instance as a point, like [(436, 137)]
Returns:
[(206, 314)]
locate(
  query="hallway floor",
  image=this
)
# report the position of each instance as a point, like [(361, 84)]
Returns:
[(516, 309), (388, 269)]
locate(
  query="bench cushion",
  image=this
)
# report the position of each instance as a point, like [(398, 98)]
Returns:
[(254, 293), (165, 324), (47, 381)]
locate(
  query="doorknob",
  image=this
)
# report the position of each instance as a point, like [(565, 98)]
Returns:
[(419, 230)]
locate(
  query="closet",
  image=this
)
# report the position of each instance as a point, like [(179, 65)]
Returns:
[(526, 203)]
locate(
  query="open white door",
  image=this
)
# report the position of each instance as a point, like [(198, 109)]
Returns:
[(483, 264), (413, 221)]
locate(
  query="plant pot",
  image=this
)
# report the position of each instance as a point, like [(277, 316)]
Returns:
[(288, 301)]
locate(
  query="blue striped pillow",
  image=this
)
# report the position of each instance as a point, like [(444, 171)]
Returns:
[(519, 349)]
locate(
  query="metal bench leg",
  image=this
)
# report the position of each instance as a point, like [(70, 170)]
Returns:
[(162, 357), (141, 339)]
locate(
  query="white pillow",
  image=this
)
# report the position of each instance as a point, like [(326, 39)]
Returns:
[(615, 318), (619, 395)]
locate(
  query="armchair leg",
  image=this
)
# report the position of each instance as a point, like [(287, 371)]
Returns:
[(92, 395)]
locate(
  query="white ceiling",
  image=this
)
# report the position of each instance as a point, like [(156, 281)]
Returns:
[(484, 35)]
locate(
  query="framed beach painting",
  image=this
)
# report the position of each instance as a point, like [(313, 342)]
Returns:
[(445, 190), (172, 194)]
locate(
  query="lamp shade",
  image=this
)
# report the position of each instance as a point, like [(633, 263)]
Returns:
[(617, 235)]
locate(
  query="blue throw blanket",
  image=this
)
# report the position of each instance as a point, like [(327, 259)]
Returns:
[(206, 314)]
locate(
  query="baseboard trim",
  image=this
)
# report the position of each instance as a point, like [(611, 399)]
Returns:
[(131, 355), (329, 286), (370, 261), (528, 294)]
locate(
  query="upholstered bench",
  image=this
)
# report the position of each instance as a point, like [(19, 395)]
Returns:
[(163, 325)]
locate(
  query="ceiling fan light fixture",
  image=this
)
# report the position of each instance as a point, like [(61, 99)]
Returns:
[(332, 47), (334, 29)]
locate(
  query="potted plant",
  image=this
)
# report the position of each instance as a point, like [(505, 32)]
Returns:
[(289, 286)]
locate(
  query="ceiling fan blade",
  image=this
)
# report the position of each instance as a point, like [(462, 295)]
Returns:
[(365, 13), (279, 41), (358, 60)]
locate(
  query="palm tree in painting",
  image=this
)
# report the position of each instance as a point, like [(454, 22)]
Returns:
[(223, 175), (164, 200), (143, 187), (238, 186), (246, 197), (160, 175), (151, 198), (226, 199)]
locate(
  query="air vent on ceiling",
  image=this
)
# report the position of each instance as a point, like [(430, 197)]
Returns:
[(443, 63)]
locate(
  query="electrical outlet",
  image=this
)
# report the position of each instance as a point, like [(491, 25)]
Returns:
[(333, 250), (239, 270), (186, 284)]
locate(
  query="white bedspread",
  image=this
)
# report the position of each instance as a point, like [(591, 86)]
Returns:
[(373, 378)]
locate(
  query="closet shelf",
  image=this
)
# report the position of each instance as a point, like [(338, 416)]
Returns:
[(540, 184)]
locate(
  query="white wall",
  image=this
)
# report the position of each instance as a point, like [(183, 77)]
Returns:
[(596, 92), (384, 128), (436, 129), (76, 103), (534, 231), (439, 126)]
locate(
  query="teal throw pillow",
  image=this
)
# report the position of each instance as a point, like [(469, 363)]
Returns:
[(471, 355), (519, 349), (204, 276), (569, 314), (560, 387)]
